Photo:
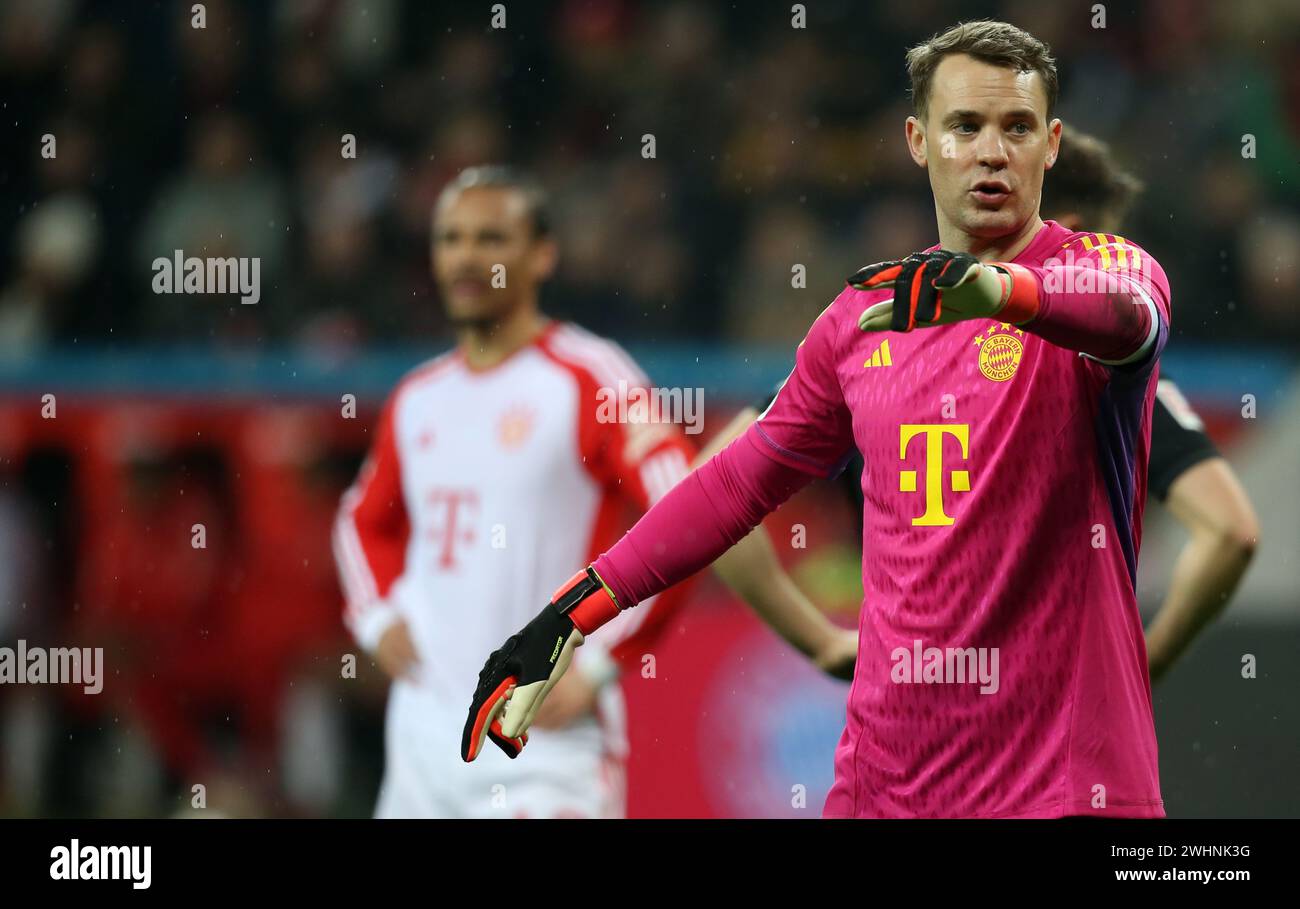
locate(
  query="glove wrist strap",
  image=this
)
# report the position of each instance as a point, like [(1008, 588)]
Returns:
[(1022, 303), (586, 600)]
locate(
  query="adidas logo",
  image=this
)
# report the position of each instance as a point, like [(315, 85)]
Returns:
[(880, 357)]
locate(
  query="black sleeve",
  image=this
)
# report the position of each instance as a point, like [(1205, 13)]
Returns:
[(1178, 439)]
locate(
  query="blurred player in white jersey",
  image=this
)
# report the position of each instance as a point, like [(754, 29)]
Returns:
[(493, 467)]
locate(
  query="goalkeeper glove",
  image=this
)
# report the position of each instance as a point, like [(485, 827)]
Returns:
[(939, 287), (518, 677)]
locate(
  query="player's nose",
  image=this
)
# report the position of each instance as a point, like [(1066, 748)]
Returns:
[(990, 151), (454, 259)]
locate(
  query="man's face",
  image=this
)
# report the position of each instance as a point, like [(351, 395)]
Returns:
[(486, 255), (986, 142)]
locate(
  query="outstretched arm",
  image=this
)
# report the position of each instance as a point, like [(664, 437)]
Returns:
[(1108, 299), (698, 520), (804, 434), (754, 573), (702, 517)]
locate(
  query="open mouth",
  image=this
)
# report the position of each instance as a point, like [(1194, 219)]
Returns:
[(991, 192)]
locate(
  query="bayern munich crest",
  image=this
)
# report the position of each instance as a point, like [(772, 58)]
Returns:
[(1000, 351)]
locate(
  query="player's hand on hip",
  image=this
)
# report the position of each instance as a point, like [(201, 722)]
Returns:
[(1157, 662), (934, 288), (515, 682), (839, 655), (396, 653)]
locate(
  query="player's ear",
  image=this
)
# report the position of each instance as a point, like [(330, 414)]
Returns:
[(1053, 143), (916, 144), (546, 258)]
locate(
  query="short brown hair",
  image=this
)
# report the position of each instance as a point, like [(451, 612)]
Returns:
[(503, 176), (999, 43), (1086, 180)]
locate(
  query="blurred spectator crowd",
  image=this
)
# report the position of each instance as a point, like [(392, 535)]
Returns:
[(775, 146)]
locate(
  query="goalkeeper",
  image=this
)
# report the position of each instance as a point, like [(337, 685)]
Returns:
[(1001, 671), (1186, 473)]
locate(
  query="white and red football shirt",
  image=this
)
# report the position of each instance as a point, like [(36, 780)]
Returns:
[(483, 488)]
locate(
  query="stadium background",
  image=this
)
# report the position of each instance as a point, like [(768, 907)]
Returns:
[(775, 146)]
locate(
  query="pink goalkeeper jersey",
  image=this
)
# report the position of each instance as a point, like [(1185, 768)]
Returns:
[(1002, 667)]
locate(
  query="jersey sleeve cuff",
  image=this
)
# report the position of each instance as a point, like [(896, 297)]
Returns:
[(368, 627), (1142, 355), (1023, 301)]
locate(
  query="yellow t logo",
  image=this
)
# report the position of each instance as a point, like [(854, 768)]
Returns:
[(934, 432)]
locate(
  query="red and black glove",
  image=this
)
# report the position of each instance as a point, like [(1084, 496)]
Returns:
[(517, 678), (940, 287)]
